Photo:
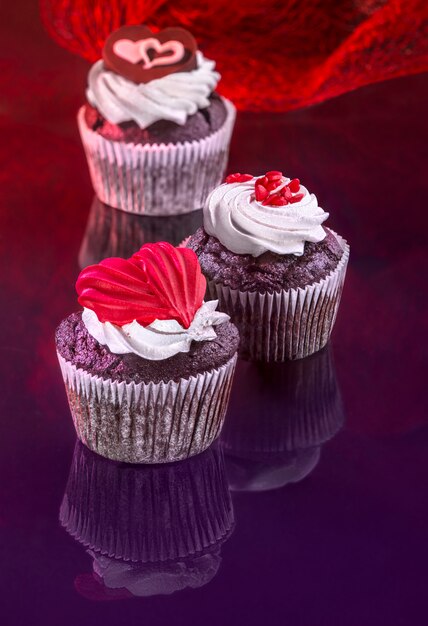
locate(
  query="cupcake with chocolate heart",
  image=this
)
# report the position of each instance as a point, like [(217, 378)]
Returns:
[(147, 365), (155, 133), (273, 266)]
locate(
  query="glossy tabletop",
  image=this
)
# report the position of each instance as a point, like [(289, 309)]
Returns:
[(313, 508)]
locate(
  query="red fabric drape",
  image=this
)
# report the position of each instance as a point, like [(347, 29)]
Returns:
[(273, 55)]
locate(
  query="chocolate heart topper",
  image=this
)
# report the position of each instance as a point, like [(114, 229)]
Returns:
[(138, 54)]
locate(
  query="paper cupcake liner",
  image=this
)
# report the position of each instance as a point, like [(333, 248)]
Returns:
[(111, 232), (279, 408), (148, 514), (148, 422), (284, 325), (157, 179)]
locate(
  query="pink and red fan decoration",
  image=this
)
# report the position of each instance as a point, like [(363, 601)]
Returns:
[(273, 56), (159, 282)]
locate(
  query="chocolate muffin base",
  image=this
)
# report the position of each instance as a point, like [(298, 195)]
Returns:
[(197, 126), (80, 349), (268, 272)]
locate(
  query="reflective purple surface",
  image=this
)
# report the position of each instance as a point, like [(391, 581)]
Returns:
[(326, 458)]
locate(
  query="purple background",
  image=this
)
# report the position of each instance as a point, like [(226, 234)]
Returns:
[(346, 545)]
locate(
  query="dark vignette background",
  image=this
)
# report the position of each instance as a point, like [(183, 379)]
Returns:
[(348, 545)]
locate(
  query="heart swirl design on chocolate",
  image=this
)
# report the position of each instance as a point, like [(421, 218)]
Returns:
[(139, 55), (134, 52)]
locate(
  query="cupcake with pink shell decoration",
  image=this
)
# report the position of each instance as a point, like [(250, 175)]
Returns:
[(147, 364)]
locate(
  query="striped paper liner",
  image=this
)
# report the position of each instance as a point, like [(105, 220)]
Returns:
[(284, 325), (148, 422)]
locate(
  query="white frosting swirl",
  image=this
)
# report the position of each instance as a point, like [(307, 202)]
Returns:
[(173, 97), (160, 340), (245, 226)]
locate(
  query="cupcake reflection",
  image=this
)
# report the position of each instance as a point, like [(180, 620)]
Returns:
[(150, 530), (111, 232), (280, 415), (120, 579)]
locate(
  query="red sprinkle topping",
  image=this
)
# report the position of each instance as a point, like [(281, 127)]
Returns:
[(294, 185), (274, 175), (158, 282), (261, 192), (238, 178), (271, 190)]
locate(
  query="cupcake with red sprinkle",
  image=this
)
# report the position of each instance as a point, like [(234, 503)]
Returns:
[(272, 264), (147, 364), (155, 132)]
